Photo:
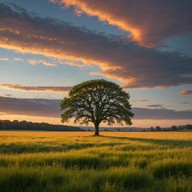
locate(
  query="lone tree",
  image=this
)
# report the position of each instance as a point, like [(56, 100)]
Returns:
[(97, 101)]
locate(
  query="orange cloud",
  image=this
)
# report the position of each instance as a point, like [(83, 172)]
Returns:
[(45, 36), (51, 64), (125, 61), (149, 22), (46, 63), (55, 89), (186, 92), (140, 101)]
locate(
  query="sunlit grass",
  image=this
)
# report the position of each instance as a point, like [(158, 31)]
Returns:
[(72, 161)]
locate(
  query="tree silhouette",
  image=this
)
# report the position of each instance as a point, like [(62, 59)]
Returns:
[(97, 101)]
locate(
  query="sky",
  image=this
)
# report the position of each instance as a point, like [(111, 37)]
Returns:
[(48, 46)]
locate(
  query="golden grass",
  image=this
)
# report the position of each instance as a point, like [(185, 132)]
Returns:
[(152, 135), (116, 161), (31, 137)]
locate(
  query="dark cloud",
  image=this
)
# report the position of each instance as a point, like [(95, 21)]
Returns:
[(54, 89), (51, 108), (186, 92), (146, 113), (30, 107), (185, 103), (126, 61), (155, 106), (149, 21)]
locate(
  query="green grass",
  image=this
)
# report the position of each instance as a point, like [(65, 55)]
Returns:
[(76, 162)]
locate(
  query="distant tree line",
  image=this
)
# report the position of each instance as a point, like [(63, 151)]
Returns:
[(25, 126), (187, 127)]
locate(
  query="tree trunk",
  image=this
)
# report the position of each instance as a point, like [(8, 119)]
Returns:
[(96, 129)]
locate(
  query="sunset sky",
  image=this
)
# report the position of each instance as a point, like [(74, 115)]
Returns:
[(145, 46)]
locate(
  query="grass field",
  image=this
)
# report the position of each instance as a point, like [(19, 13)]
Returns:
[(80, 162)]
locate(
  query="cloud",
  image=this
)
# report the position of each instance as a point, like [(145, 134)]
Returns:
[(125, 61), (1, 113), (30, 107), (35, 62), (186, 92), (140, 101), (155, 106), (149, 22), (51, 108), (46, 36), (8, 95), (146, 113), (3, 59), (18, 59), (185, 103), (54, 89)]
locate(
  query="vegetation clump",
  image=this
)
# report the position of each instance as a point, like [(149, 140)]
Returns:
[(97, 101)]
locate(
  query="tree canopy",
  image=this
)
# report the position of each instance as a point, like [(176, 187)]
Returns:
[(97, 101)]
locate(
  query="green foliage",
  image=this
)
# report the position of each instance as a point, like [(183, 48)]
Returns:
[(97, 101)]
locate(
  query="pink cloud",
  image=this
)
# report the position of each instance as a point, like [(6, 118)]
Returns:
[(186, 92), (54, 89), (149, 22), (43, 62), (134, 66)]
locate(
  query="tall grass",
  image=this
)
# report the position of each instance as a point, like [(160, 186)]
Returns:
[(76, 162)]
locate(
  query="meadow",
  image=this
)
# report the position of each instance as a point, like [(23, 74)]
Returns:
[(80, 162)]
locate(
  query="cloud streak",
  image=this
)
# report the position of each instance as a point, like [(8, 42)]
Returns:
[(161, 114), (38, 61), (30, 107), (186, 92), (140, 101), (185, 103), (46, 63), (3, 59), (155, 106), (51, 108), (54, 89), (126, 61), (149, 22)]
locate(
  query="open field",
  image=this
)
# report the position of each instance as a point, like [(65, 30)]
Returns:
[(79, 162)]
